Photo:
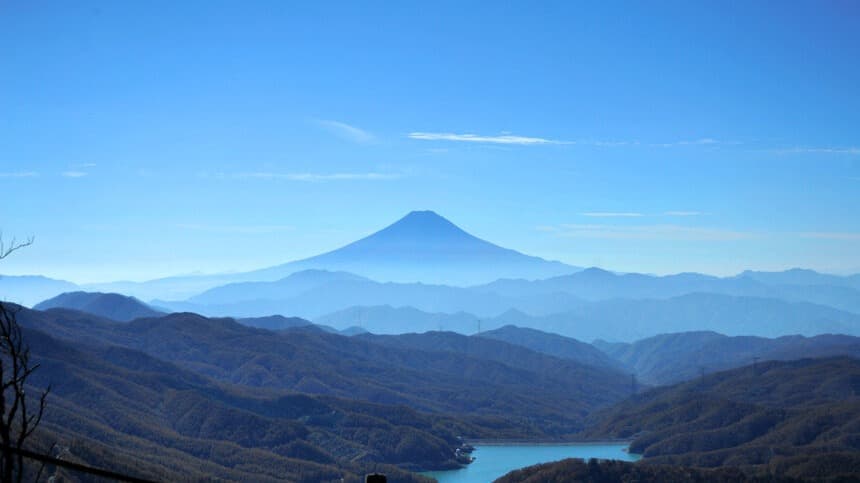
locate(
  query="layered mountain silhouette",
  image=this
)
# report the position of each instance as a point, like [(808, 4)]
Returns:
[(671, 358), (420, 247), (108, 305), (628, 320), (554, 345), (425, 247), (314, 293), (438, 371), (341, 301), (30, 289), (595, 284)]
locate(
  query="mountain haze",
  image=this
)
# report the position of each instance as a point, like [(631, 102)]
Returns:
[(31, 289), (108, 305), (424, 246), (628, 320), (420, 247), (671, 358)]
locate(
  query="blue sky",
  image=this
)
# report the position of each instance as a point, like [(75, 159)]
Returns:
[(143, 139)]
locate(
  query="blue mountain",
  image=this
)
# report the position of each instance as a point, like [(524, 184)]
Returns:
[(108, 305), (424, 246), (420, 247), (31, 289)]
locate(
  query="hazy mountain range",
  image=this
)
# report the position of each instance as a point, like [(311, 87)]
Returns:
[(420, 247), (358, 286), (337, 406), (181, 396), (31, 289), (671, 358), (655, 360), (108, 305)]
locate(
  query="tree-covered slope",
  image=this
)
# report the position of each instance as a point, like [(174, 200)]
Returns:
[(123, 410), (523, 392), (793, 418)]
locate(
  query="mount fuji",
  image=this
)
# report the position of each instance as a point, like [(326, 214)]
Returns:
[(425, 247), (420, 247)]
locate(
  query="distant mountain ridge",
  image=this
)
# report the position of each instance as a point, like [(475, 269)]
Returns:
[(314, 293), (596, 284), (554, 345), (425, 247), (420, 247), (342, 300), (31, 289), (108, 305), (671, 358), (629, 320)]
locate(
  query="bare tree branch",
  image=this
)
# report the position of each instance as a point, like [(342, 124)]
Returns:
[(17, 422), (6, 250)]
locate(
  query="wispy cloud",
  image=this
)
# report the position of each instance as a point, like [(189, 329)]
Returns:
[(646, 232), (695, 142), (608, 144), (611, 214), (74, 174), (509, 139), (19, 174), (682, 213), (84, 165), (851, 150), (312, 177), (346, 131), (240, 229), (831, 235), (506, 138)]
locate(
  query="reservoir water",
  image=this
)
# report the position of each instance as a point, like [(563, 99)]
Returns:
[(493, 461)]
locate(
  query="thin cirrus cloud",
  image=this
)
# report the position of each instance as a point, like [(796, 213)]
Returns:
[(831, 235), (73, 174), (238, 229), (636, 214), (612, 214), (695, 142), (346, 131), (313, 177), (19, 174), (666, 232), (852, 150), (511, 139), (683, 213), (508, 139)]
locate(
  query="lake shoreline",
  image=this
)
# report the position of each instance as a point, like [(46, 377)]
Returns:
[(497, 457), (546, 442)]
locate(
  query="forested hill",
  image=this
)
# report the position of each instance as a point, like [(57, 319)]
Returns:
[(794, 418), (514, 385), (122, 410)]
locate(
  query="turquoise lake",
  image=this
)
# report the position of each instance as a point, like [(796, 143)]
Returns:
[(494, 461)]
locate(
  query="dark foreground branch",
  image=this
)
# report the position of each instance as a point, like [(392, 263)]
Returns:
[(50, 460)]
